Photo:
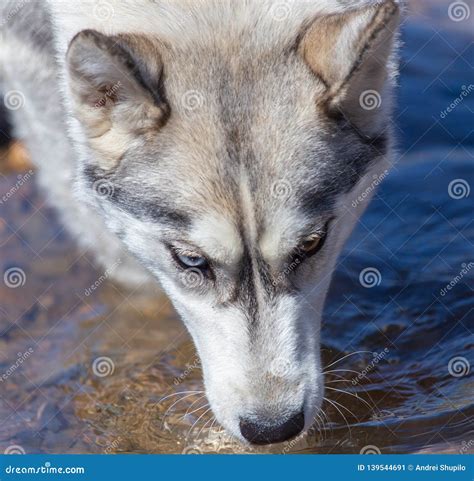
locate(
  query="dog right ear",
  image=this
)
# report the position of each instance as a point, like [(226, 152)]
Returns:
[(116, 95), (350, 54)]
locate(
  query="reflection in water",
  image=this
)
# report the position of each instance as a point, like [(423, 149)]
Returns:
[(88, 367)]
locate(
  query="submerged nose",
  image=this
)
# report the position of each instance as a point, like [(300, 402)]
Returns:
[(260, 431)]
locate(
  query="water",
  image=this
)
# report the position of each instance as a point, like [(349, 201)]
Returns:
[(85, 369)]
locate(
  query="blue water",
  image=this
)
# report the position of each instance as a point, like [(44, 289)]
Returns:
[(419, 239), (412, 315)]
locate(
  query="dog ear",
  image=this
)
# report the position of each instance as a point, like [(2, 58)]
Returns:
[(116, 95), (349, 53)]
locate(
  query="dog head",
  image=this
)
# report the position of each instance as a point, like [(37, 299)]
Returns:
[(231, 164)]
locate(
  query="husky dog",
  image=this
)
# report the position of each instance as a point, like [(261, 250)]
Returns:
[(220, 147)]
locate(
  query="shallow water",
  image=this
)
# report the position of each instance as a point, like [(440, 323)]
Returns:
[(85, 365)]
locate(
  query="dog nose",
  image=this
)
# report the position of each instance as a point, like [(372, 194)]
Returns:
[(263, 432)]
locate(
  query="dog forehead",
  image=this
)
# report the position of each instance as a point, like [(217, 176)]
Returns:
[(219, 236)]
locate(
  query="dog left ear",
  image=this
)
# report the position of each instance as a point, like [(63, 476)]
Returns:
[(349, 53), (117, 95)]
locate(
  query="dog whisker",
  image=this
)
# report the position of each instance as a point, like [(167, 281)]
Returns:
[(341, 370), (205, 424), (212, 425), (347, 409), (190, 407), (177, 394), (348, 355), (198, 419), (341, 413), (194, 411), (353, 395), (176, 402)]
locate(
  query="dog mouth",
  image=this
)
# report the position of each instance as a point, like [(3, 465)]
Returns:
[(263, 417)]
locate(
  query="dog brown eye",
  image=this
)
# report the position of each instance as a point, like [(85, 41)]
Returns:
[(310, 244)]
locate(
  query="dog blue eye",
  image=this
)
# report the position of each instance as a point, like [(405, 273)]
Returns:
[(192, 261)]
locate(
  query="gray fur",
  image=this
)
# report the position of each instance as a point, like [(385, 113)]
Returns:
[(216, 127)]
